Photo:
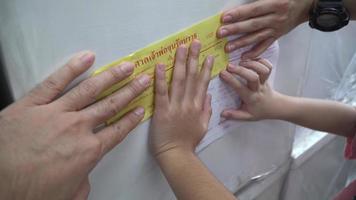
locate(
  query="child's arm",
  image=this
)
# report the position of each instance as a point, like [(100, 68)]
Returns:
[(180, 121), (259, 101)]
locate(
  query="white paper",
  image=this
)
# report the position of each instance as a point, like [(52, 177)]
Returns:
[(223, 96)]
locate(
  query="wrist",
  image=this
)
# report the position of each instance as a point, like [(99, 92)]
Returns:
[(281, 107), (173, 153), (306, 7)]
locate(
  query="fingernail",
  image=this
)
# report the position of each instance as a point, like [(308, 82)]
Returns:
[(210, 59), (161, 67), (144, 80), (229, 67), (243, 62), (127, 68), (223, 32), (223, 73), (227, 18), (225, 114), (139, 111), (231, 47), (195, 46), (161, 71), (87, 57)]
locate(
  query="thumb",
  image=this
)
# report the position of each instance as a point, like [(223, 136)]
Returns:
[(237, 115)]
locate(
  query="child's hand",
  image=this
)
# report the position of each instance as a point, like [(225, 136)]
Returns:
[(259, 101), (181, 117)]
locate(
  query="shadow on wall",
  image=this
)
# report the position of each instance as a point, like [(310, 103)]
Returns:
[(6, 97)]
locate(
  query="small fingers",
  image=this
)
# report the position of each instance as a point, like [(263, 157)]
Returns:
[(252, 78), (232, 81), (236, 115), (55, 84), (261, 69), (113, 104), (116, 133)]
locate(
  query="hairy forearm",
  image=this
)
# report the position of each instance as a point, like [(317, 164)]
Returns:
[(189, 178), (322, 115)]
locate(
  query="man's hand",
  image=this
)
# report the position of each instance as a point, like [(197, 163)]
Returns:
[(259, 100), (261, 23), (182, 116), (47, 143)]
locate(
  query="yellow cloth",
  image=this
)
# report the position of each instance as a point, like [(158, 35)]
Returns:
[(163, 51)]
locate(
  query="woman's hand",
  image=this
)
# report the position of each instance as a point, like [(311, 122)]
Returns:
[(181, 116), (261, 23)]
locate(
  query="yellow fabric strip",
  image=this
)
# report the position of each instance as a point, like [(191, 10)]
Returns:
[(163, 51)]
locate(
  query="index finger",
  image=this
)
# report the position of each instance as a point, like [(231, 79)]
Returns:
[(247, 11)]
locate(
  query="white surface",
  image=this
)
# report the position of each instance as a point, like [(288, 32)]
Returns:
[(223, 97), (37, 34), (320, 173)]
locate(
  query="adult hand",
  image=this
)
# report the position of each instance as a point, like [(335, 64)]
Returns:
[(181, 118), (261, 23), (47, 143)]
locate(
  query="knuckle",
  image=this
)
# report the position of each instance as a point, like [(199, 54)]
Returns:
[(260, 37), (116, 74), (180, 78), (72, 67), (88, 88), (119, 131), (109, 106), (134, 88), (272, 33), (52, 84), (133, 119), (256, 24), (237, 14), (255, 78), (283, 6), (281, 19), (95, 148), (256, 9)]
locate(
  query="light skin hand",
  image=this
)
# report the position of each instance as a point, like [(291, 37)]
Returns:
[(179, 123), (261, 23), (48, 147), (260, 101), (181, 116)]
